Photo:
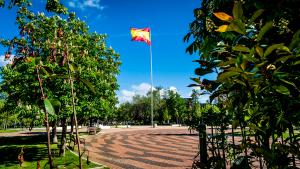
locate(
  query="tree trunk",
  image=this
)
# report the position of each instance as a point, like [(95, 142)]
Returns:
[(46, 121), (233, 141), (72, 124), (223, 144), (202, 143), (54, 133), (74, 109), (91, 122), (48, 140), (63, 136), (292, 141)]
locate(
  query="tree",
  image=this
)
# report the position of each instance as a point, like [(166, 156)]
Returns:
[(253, 48), (58, 62), (176, 105)]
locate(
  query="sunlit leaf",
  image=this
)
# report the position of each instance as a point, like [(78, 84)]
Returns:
[(48, 106), (222, 28), (271, 48), (241, 48), (223, 16), (259, 51), (282, 89)]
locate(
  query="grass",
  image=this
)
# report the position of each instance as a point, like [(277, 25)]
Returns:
[(9, 131), (35, 149)]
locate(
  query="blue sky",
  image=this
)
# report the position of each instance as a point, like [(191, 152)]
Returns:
[(168, 20)]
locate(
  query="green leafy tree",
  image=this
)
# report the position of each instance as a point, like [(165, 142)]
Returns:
[(253, 48), (58, 62), (176, 105)]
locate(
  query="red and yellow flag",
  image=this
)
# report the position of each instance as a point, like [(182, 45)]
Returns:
[(142, 35)]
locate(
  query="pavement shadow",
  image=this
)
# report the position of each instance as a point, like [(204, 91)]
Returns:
[(175, 134)]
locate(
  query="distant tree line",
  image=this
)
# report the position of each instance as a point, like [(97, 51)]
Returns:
[(168, 108)]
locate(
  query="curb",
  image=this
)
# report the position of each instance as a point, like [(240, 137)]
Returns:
[(102, 166)]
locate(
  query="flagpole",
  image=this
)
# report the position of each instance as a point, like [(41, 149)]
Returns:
[(151, 79)]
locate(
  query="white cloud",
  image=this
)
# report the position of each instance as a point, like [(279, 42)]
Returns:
[(204, 98), (83, 4), (141, 89), (4, 62), (174, 89), (127, 95)]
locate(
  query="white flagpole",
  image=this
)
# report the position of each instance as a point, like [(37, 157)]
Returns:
[(151, 79)]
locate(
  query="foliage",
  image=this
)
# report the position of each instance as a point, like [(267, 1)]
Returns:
[(34, 150), (57, 63), (255, 51), (169, 107)]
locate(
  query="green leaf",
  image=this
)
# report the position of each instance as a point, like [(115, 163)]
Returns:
[(282, 89), (297, 62), (197, 80), (256, 15), (290, 83), (237, 10), (202, 71), (264, 30), (193, 85), (238, 26), (240, 82), (48, 106), (271, 48), (89, 85), (241, 48), (73, 67), (226, 75), (295, 43), (246, 118), (259, 51)]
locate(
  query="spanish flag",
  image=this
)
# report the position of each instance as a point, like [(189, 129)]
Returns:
[(142, 35)]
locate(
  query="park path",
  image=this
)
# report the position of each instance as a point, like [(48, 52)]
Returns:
[(144, 148)]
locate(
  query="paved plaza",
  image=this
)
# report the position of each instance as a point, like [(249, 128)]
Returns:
[(144, 148)]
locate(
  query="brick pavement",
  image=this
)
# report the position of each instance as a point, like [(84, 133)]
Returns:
[(144, 148)]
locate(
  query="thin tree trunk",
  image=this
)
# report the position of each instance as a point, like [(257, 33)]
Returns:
[(76, 124), (260, 160), (232, 134), (72, 124), (74, 109), (63, 136), (223, 144), (202, 143), (48, 141), (291, 134), (244, 139), (47, 122), (212, 140), (54, 133)]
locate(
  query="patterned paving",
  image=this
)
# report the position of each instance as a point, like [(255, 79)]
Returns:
[(144, 149)]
